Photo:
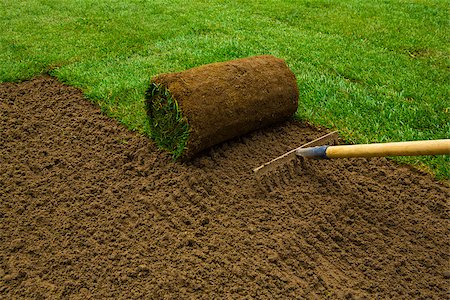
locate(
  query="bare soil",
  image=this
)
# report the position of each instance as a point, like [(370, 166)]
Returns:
[(90, 210)]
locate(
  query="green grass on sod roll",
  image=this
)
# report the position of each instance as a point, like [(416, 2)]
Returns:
[(375, 70), (169, 128)]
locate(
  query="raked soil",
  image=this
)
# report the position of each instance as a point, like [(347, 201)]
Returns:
[(90, 210)]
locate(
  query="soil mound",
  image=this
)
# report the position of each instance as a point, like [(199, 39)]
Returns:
[(91, 210)]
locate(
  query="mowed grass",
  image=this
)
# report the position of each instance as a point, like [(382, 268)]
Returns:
[(375, 70)]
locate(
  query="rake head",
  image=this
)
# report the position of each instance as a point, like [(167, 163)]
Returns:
[(288, 163)]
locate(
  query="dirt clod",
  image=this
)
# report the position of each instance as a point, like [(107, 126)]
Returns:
[(83, 214)]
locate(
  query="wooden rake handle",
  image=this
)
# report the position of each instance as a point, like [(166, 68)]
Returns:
[(413, 148)]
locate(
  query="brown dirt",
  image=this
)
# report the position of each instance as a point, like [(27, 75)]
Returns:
[(91, 210), (228, 99)]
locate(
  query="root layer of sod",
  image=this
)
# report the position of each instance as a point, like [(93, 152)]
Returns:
[(193, 110)]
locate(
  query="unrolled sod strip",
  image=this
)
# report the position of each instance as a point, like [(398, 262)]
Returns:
[(195, 109)]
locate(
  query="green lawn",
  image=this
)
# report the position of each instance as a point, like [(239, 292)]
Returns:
[(375, 70)]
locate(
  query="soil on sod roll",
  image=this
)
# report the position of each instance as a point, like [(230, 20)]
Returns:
[(91, 210), (195, 109)]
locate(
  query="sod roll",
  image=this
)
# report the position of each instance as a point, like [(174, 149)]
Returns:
[(195, 109)]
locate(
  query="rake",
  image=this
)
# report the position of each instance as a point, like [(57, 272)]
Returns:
[(316, 150)]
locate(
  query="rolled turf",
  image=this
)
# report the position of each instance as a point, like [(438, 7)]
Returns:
[(195, 109)]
